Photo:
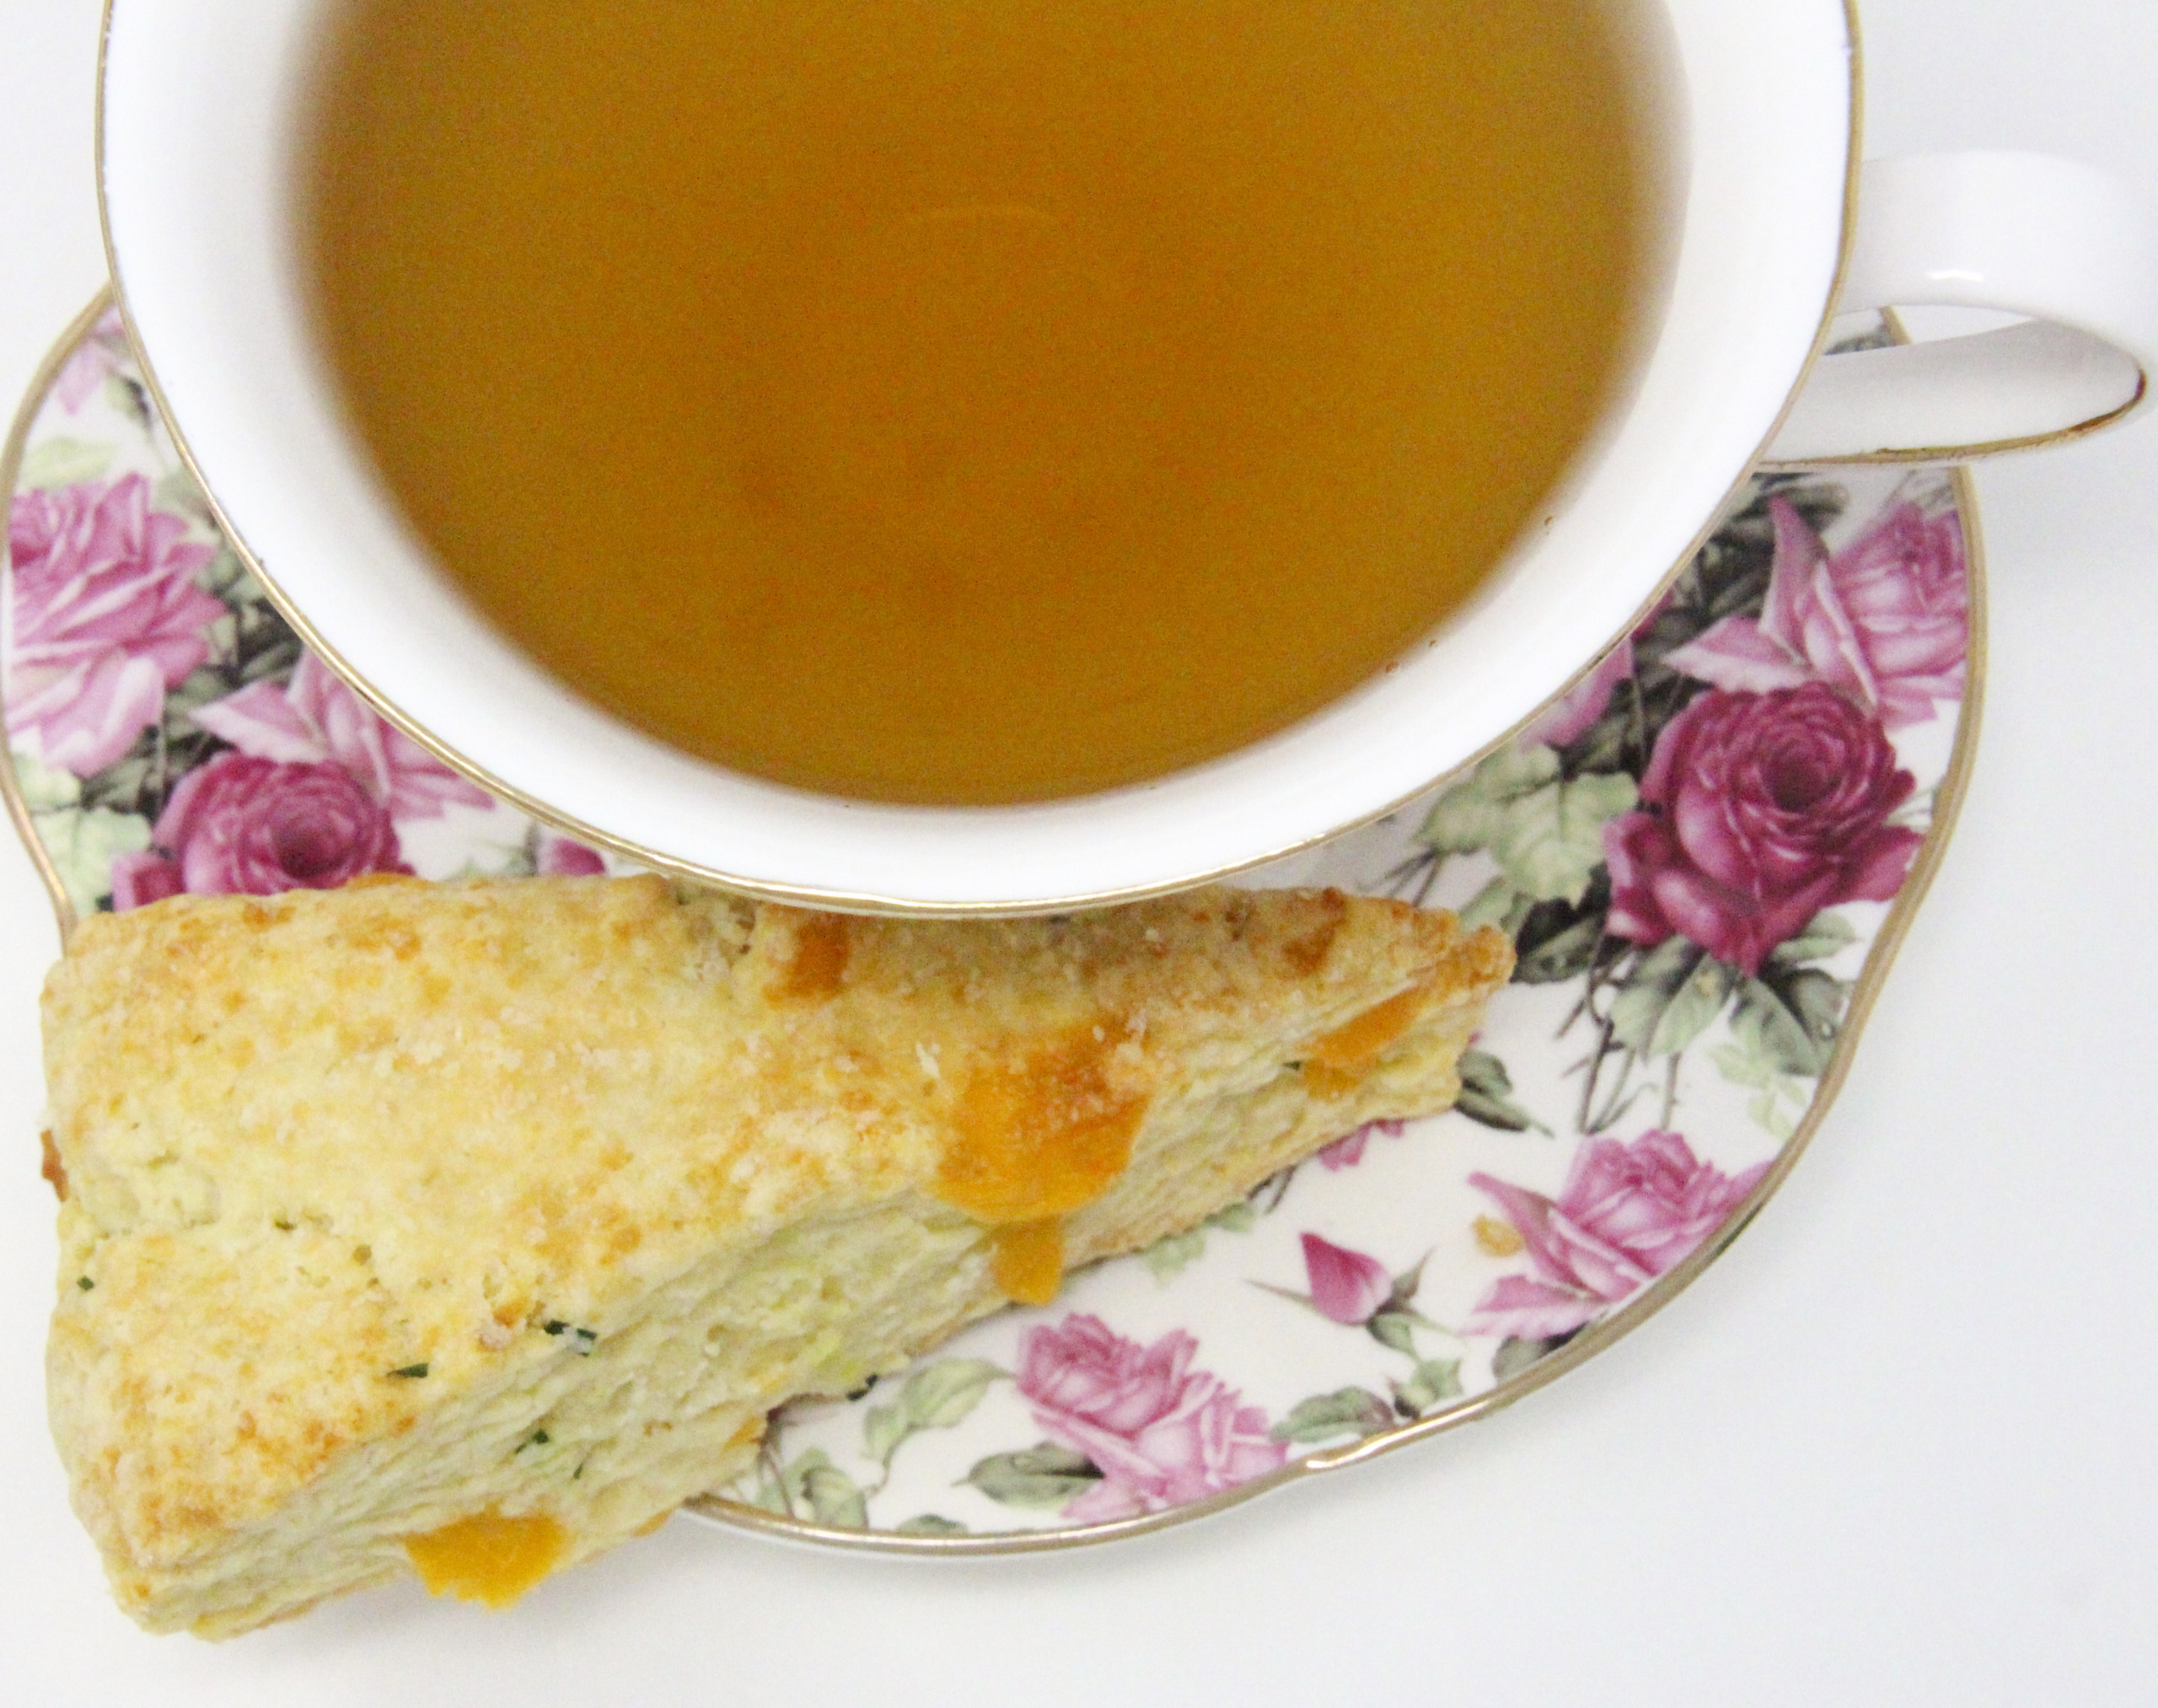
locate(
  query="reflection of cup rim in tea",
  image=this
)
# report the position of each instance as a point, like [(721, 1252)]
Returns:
[(1036, 428), (193, 134)]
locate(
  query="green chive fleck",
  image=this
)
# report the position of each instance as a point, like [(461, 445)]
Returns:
[(411, 1369), (85, 1282), (584, 1338)]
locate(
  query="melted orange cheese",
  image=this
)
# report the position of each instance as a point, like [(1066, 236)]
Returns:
[(1337, 1063), (1033, 1139), (489, 1558), (54, 1171), (749, 1435), (1041, 1136), (1026, 1258), (823, 942)]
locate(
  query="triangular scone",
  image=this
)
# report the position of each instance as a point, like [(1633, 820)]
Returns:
[(409, 1224)]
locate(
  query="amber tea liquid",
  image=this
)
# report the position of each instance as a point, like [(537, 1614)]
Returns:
[(972, 400)]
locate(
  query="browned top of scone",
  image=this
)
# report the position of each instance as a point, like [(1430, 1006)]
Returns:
[(318, 1139)]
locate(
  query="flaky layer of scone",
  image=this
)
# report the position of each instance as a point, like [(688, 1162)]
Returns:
[(393, 1206)]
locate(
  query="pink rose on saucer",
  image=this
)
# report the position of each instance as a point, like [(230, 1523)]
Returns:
[(1574, 716), (315, 719), (241, 825), (561, 857), (106, 615), (1347, 1151), (139, 879), (1629, 1212), (1349, 1288), (1160, 1433), (1885, 621), (1757, 811), (96, 358)]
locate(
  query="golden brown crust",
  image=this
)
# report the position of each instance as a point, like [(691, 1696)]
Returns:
[(319, 1143)]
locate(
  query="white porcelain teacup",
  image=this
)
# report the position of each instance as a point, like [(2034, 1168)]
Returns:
[(1772, 231)]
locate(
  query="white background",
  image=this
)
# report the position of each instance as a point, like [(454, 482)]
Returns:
[(1900, 1446)]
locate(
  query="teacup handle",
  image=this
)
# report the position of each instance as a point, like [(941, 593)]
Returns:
[(2063, 244)]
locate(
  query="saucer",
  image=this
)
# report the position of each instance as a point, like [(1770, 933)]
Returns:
[(1706, 856)]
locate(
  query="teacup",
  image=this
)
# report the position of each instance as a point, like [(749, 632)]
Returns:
[(1772, 231)]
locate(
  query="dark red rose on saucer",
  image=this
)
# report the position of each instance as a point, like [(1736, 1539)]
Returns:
[(561, 857), (139, 879), (247, 826), (1757, 811)]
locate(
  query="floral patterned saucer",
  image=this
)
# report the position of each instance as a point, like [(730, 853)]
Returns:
[(1705, 855)]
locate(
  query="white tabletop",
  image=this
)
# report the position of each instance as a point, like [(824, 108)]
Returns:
[(1896, 1448)]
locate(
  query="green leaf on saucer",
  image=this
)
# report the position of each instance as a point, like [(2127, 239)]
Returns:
[(1829, 933), (1670, 997), (45, 789), (130, 398), (199, 687), (1497, 903), (1041, 1476), (929, 1524), (131, 782), (1554, 942), (230, 579), (1355, 1412), (1433, 1381), (1545, 831), (63, 462), (940, 1394), (770, 1495), (177, 492), (1395, 1329), (1472, 814), (80, 843), (829, 1492), (1173, 1253), (1487, 1095), (1553, 842), (883, 1427), (1608, 743), (268, 651), (1790, 1019), (1514, 1356), (1562, 957), (835, 1500), (1238, 1217), (1780, 1098)]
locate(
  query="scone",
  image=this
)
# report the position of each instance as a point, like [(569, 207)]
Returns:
[(474, 1227)]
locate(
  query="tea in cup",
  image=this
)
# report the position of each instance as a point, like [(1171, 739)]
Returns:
[(970, 457)]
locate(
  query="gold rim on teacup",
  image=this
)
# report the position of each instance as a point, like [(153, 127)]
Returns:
[(1401, 781)]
